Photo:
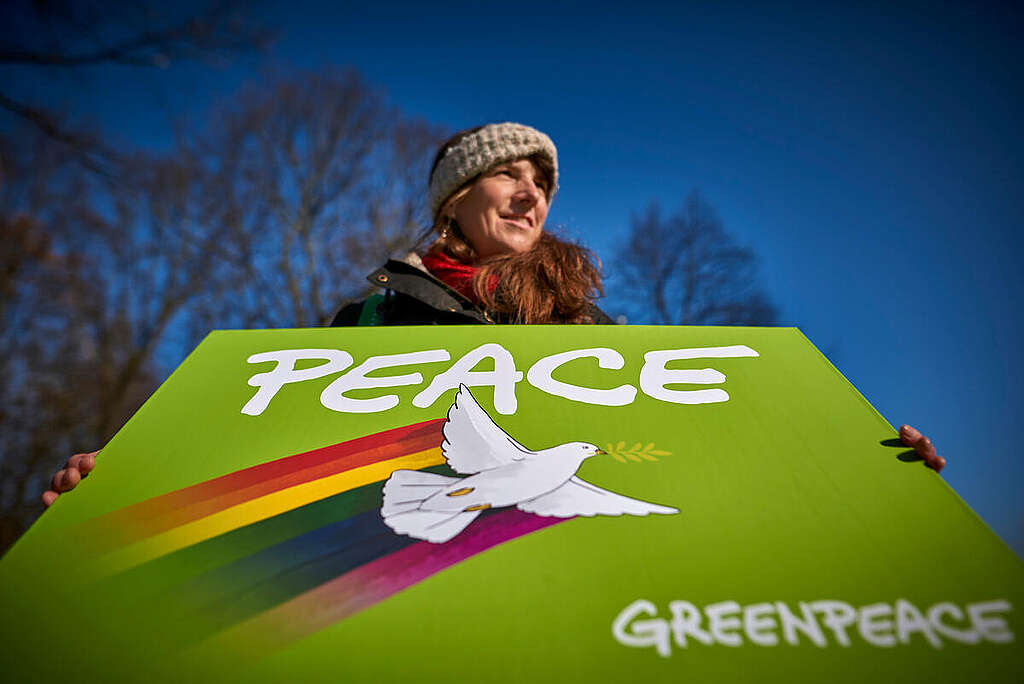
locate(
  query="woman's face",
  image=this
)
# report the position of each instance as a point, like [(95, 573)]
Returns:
[(504, 211)]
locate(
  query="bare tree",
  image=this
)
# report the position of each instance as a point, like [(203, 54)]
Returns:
[(316, 180), (47, 39), (96, 275), (687, 270), (40, 364), (270, 218)]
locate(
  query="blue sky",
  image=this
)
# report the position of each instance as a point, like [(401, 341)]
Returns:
[(872, 157)]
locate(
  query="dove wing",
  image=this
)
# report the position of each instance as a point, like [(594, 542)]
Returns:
[(473, 442), (579, 497)]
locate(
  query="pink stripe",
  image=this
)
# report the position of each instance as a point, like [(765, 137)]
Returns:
[(377, 580)]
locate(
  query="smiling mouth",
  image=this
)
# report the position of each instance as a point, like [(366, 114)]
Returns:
[(519, 220)]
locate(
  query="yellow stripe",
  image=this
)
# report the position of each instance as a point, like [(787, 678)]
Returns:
[(258, 509)]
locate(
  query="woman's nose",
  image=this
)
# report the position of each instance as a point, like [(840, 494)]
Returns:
[(528, 192)]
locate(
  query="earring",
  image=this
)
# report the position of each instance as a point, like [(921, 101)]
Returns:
[(444, 229)]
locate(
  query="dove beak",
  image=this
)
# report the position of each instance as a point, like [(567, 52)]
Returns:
[(601, 451)]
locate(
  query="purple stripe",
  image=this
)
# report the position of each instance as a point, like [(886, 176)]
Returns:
[(380, 579)]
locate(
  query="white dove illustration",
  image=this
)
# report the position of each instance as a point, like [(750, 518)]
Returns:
[(502, 472)]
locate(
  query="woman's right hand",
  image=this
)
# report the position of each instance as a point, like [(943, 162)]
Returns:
[(68, 477)]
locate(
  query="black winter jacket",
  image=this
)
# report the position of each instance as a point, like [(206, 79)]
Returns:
[(414, 297)]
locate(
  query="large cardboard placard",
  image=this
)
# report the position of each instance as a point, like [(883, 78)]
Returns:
[(508, 504)]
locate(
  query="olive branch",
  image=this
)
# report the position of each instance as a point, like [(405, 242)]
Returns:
[(638, 452)]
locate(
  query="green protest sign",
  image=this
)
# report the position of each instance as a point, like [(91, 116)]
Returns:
[(542, 503)]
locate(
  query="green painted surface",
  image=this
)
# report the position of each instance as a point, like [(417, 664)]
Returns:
[(786, 494)]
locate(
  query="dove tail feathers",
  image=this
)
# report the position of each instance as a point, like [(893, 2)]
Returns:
[(431, 526), (404, 491)]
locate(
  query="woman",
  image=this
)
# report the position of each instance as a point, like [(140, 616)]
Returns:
[(490, 188), (491, 261)]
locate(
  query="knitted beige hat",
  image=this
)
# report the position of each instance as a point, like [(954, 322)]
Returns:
[(482, 149)]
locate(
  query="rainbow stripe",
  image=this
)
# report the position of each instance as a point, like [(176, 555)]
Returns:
[(373, 582), (175, 509), (271, 553)]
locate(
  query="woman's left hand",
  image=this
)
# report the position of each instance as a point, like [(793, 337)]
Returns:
[(923, 446)]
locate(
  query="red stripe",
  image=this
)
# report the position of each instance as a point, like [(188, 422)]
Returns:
[(176, 508)]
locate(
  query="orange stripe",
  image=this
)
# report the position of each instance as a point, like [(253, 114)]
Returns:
[(255, 510), (159, 514)]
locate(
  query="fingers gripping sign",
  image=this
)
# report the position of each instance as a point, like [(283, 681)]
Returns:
[(68, 477), (912, 437)]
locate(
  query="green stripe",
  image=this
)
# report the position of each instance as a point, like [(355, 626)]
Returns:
[(156, 576)]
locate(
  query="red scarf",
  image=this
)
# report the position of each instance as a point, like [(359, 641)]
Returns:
[(456, 275)]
